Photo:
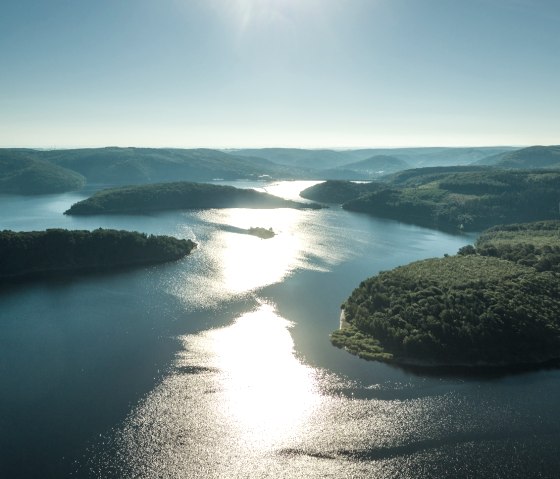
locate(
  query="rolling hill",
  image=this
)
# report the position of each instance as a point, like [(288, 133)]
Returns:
[(118, 166), (21, 172), (532, 157)]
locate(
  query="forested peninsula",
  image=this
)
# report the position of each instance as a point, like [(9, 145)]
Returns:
[(26, 255), (494, 304), (468, 198), (177, 196)]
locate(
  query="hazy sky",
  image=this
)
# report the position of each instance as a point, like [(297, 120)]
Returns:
[(309, 73)]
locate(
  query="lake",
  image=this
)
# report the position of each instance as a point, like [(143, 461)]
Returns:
[(220, 366)]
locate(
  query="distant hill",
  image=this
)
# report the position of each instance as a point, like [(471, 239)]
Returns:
[(23, 173), (532, 157), (119, 166), (432, 156), (378, 165), (177, 196), (368, 169), (316, 159), (422, 176), (124, 166), (333, 159)]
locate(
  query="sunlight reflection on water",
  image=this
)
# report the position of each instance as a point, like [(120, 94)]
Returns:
[(237, 395), (269, 393), (230, 263)]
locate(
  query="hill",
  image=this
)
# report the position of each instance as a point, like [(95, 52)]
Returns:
[(469, 309), (432, 156), (378, 165), (368, 169), (342, 190), (324, 159), (23, 174), (304, 158), (56, 251), (532, 157), (176, 196), (119, 166), (465, 200)]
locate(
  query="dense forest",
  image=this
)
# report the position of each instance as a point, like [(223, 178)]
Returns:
[(177, 196), (531, 244), (22, 174), (456, 198), (44, 253), (494, 304)]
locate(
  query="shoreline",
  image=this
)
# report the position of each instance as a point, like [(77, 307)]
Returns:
[(343, 323), (432, 365)]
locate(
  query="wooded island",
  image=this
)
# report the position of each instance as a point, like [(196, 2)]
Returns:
[(177, 196), (57, 251)]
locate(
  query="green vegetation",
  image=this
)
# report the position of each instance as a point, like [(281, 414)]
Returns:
[(378, 164), (22, 174), (532, 244), (368, 169), (476, 308), (262, 233), (338, 191), (174, 196), (532, 157), (125, 166), (55, 251), (331, 159), (455, 198)]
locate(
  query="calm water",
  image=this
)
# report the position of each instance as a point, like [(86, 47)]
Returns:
[(219, 365)]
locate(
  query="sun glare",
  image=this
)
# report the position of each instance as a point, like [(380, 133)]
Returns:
[(248, 13), (269, 393)]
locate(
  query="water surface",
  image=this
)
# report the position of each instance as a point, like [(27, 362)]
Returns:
[(219, 365)]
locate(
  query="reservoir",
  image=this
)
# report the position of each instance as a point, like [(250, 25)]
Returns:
[(220, 365)]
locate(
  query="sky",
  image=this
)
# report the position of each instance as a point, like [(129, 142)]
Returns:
[(285, 73)]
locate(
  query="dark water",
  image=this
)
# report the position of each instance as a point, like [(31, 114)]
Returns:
[(220, 366)]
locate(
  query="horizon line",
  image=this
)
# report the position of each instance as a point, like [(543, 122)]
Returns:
[(230, 148)]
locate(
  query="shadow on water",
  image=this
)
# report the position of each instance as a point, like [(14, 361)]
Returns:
[(64, 278), (409, 449), (478, 373)]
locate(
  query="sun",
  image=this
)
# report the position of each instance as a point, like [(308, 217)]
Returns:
[(260, 13)]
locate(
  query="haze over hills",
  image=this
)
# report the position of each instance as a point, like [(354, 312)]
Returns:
[(379, 164), (148, 165), (416, 157), (27, 171), (532, 157), (317, 159), (21, 173), (435, 156)]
